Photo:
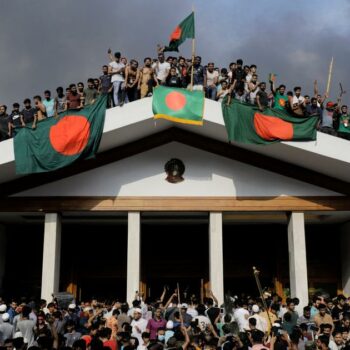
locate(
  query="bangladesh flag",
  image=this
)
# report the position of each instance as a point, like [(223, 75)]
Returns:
[(178, 105), (58, 142), (183, 31), (247, 124)]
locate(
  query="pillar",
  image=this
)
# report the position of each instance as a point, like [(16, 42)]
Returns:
[(345, 261), (2, 256), (297, 259), (51, 256), (216, 256), (134, 257)]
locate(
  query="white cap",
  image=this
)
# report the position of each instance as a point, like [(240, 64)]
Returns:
[(5, 317), (170, 324), (72, 306), (255, 308), (184, 306), (138, 310), (18, 335), (3, 308)]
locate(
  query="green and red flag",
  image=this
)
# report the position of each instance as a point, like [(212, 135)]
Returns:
[(272, 77), (58, 142), (247, 124), (178, 105), (185, 30)]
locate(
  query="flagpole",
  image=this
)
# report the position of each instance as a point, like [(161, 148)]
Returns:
[(329, 77), (193, 53)]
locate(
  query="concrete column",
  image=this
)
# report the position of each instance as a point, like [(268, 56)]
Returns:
[(51, 256), (134, 256), (297, 259), (2, 256), (345, 261), (216, 256)]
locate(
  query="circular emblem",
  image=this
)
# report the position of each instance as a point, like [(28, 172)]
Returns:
[(174, 169)]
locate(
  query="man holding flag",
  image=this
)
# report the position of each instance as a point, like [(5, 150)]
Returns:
[(177, 104)]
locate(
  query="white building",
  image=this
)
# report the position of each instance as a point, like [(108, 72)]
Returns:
[(113, 225)]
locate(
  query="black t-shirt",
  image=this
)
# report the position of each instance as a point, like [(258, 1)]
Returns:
[(173, 81), (28, 115), (213, 313), (105, 83), (15, 118), (198, 75), (4, 126), (263, 98), (239, 74)]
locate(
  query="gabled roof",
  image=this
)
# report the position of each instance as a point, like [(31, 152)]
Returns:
[(131, 129)]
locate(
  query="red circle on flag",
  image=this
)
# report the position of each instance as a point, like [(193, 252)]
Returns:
[(175, 100), (70, 135)]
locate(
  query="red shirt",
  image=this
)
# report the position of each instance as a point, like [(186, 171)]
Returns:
[(111, 344), (73, 101)]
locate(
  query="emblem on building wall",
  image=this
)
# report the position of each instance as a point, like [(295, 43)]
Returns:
[(174, 169)]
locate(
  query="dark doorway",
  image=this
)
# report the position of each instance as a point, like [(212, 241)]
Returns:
[(23, 263), (174, 253), (263, 246), (93, 260)]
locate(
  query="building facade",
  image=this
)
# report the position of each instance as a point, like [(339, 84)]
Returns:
[(115, 224)]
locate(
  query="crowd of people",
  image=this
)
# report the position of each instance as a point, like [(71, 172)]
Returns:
[(240, 323), (125, 81)]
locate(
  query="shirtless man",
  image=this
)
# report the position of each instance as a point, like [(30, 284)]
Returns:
[(132, 76), (147, 78)]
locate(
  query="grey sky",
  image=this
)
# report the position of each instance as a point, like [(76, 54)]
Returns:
[(47, 43)]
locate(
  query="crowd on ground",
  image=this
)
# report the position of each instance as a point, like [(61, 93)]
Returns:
[(125, 81), (168, 323)]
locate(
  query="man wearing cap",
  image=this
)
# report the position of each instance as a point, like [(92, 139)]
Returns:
[(187, 318), (71, 315), (327, 119), (6, 328), (261, 323), (3, 309), (138, 325)]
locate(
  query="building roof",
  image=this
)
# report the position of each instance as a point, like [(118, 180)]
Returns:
[(134, 121)]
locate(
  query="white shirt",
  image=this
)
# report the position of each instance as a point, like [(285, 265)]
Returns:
[(192, 312), (241, 316), (299, 99), (203, 322), (211, 76), (162, 70), (115, 66), (141, 323), (261, 323)]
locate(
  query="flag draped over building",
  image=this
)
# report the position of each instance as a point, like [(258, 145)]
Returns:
[(58, 142), (185, 30), (178, 105), (247, 124)]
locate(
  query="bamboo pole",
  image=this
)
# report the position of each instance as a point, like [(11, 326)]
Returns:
[(257, 280), (193, 54), (329, 77)]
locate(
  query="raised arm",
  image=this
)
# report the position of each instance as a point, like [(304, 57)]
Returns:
[(110, 56), (273, 87), (170, 300), (315, 88), (214, 298), (161, 299)]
